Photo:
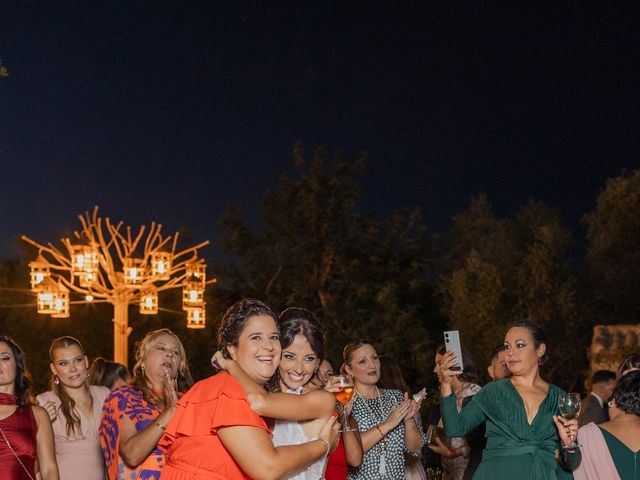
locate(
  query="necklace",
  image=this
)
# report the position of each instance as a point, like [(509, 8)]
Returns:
[(383, 441)]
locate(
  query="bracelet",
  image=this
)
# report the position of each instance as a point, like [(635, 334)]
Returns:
[(327, 447), (379, 431), (159, 426)]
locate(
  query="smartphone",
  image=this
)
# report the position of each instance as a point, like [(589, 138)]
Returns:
[(420, 395), (452, 344)]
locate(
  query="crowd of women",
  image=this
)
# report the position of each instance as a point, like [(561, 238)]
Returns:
[(269, 412)]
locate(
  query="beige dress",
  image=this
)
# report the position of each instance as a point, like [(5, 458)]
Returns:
[(79, 456)]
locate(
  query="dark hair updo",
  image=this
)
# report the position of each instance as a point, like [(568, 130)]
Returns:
[(298, 321), (235, 319), (538, 335), (627, 393)]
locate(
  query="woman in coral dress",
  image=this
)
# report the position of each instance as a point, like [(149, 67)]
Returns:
[(215, 434)]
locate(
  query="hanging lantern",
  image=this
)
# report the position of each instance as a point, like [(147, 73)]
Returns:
[(161, 265), (39, 271), (196, 317), (193, 293), (77, 259), (133, 272), (61, 302), (149, 302), (47, 296), (198, 270)]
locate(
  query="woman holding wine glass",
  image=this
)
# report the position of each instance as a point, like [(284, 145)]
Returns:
[(523, 430), (385, 417), (299, 408)]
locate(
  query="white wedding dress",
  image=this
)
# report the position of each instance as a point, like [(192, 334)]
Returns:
[(287, 432)]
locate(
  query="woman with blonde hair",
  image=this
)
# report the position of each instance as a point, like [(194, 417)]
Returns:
[(135, 416), (74, 408)]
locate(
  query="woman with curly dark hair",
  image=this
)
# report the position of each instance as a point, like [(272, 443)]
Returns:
[(610, 450), (25, 429)]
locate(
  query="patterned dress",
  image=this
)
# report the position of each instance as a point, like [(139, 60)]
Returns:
[(128, 402), (370, 412)]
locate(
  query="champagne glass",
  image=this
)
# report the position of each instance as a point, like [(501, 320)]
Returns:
[(569, 406), (342, 388)]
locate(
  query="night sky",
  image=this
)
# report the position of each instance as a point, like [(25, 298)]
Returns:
[(168, 111)]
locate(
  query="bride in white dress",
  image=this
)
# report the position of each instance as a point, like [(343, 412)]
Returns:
[(300, 410)]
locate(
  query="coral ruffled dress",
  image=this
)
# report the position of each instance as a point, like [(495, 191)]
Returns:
[(194, 450)]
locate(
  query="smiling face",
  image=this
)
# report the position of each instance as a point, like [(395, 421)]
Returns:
[(70, 365), (298, 363), (521, 352), (164, 356), (7, 369), (258, 350), (364, 365)]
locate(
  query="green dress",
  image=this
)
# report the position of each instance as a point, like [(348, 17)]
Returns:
[(515, 448), (626, 461)]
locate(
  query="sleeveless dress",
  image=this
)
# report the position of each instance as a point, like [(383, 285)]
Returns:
[(78, 455), (287, 432), (20, 429)]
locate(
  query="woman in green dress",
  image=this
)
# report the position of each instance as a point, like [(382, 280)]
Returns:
[(611, 450), (522, 428)]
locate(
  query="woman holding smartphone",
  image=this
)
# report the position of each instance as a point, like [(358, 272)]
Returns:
[(522, 430)]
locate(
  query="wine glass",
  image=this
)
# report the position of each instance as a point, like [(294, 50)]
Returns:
[(569, 406), (342, 388)]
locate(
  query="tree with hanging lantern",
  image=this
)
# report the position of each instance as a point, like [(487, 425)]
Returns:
[(107, 262)]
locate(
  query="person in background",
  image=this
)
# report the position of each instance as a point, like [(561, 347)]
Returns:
[(25, 429), (593, 406), (74, 408), (215, 434), (385, 417), (522, 430), (391, 378), (476, 440), (108, 374), (610, 450), (629, 364), (497, 368), (349, 452), (455, 457), (135, 416)]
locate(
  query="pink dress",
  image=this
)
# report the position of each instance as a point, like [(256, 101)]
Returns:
[(79, 455)]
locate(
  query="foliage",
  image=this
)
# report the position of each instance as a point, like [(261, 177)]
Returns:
[(513, 269), (365, 278), (613, 255)]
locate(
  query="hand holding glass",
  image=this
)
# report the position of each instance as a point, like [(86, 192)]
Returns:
[(342, 388), (569, 406)]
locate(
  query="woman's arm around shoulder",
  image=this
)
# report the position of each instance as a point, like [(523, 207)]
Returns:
[(309, 406), (45, 445), (263, 461)]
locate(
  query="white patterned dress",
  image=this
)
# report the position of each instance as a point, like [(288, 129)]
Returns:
[(287, 432)]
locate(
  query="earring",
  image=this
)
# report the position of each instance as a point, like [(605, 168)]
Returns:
[(56, 380), (142, 367), (540, 361)]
